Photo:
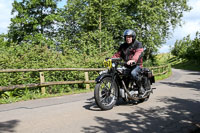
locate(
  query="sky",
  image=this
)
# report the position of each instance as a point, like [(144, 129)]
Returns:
[(190, 27)]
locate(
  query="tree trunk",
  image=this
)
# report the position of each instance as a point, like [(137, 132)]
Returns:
[(100, 25)]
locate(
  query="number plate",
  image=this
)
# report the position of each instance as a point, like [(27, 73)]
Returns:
[(108, 63)]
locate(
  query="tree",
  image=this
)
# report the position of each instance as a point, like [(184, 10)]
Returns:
[(151, 20), (187, 48), (33, 17), (96, 26), (87, 21), (181, 46)]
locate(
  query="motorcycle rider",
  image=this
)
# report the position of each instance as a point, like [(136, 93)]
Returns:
[(131, 52)]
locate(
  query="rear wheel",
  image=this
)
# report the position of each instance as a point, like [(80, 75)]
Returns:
[(106, 93), (147, 86)]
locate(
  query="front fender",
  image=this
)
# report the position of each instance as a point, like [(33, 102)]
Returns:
[(100, 77)]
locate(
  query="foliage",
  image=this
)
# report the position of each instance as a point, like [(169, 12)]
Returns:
[(81, 34), (33, 17), (187, 48), (150, 19), (28, 56), (39, 56), (98, 24)]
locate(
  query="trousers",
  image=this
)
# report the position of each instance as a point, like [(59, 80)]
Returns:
[(135, 73)]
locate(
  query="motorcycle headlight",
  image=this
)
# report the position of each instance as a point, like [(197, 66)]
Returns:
[(113, 64)]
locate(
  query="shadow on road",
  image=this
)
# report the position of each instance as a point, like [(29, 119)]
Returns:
[(91, 105), (197, 73), (188, 84), (8, 126), (180, 115)]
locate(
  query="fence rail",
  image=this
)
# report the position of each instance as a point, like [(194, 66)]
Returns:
[(50, 69), (160, 70)]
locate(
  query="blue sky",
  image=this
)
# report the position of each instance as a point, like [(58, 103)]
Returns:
[(190, 27), (191, 24)]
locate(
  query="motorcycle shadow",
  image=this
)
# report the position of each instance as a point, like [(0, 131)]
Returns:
[(92, 106), (122, 102)]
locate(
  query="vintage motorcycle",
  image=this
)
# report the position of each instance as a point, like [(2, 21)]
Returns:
[(116, 82)]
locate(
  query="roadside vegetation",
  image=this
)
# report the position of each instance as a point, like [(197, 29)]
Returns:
[(58, 90), (79, 35), (187, 53)]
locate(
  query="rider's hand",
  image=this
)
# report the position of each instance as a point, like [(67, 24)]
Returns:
[(130, 62)]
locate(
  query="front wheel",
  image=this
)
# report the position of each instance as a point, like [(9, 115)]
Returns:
[(106, 93)]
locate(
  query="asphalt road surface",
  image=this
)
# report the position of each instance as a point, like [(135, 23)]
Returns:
[(174, 107)]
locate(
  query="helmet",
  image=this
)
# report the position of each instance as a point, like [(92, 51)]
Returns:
[(129, 32)]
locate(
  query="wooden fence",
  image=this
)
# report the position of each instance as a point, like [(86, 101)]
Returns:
[(156, 71)]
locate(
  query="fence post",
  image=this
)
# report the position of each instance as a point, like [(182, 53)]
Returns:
[(43, 90), (87, 79)]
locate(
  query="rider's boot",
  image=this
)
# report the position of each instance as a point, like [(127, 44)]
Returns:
[(140, 89)]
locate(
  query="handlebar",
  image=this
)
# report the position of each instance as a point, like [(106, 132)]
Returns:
[(122, 63), (116, 59), (125, 64)]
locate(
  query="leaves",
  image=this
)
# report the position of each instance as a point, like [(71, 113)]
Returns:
[(32, 17), (187, 48), (81, 34)]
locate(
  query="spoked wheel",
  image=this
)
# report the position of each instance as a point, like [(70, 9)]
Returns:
[(106, 93)]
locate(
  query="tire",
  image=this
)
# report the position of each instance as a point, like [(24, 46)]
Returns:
[(148, 85), (106, 93)]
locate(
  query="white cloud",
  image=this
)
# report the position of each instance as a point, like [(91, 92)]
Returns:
[(194, 14), (190, 27), (5, 14)]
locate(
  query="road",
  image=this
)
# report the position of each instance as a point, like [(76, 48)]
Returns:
[(174, 107)]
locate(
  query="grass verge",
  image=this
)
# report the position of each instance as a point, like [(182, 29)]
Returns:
[(32, 96), (161, 77), (187, 65)]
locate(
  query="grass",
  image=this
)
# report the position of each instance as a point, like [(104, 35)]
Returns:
[(161, 77), (185, 64), (188, 65), (10, 96), (31, 95)]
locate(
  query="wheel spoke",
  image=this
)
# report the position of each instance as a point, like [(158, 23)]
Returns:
[(113, 94), (106, 100), (109, 88), (103, 99)]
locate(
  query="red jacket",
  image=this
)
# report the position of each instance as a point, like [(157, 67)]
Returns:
[(130, 52)]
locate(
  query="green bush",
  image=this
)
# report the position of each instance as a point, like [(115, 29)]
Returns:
[(26, 56)]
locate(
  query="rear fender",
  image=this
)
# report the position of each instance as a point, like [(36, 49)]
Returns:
[(152, 79)]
